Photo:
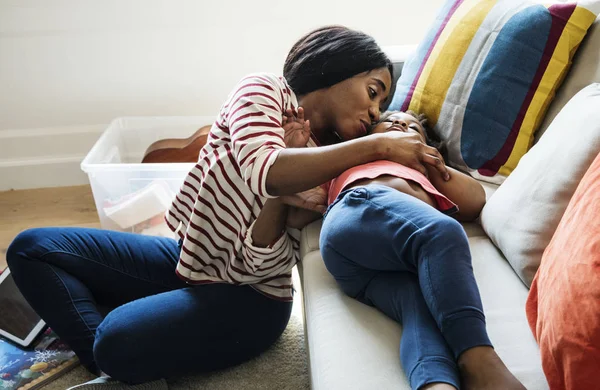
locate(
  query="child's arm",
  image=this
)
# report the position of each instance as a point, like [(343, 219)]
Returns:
[(311, 210), (463, 190)]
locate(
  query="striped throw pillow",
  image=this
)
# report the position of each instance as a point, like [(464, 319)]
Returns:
[(486, 72)]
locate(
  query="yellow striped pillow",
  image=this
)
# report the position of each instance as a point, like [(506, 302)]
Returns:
[(486, 73)]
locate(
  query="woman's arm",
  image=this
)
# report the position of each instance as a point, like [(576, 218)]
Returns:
[(463, 190), (257, 144), (299, 169), (270, 224), (267, 243), (298, 218)]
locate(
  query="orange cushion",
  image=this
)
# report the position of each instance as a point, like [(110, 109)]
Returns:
[(563, 307)]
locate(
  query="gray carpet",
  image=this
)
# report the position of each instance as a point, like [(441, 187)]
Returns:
[(283, 367)]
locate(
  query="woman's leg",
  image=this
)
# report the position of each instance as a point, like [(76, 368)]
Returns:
[(190, 330), (382, 229), (164, 327), (67, 273)]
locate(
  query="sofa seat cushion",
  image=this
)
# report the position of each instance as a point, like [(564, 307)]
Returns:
[(354, 346)]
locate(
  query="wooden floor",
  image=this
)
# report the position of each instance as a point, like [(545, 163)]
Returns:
[(62, 206)]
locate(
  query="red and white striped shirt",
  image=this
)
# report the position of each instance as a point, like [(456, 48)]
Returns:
[(216, 207)]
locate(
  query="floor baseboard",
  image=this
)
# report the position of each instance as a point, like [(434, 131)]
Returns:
[(46, 157)]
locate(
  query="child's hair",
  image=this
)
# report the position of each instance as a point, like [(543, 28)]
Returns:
[(431, 138)]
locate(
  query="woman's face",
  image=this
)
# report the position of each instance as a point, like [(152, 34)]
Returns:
[(400, 121), (355, 103)]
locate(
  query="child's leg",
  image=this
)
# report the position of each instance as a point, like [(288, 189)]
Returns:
[(382, 229), (425, 356)]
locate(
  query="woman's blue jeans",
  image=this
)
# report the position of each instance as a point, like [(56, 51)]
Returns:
[(158, 326), (394, 252)]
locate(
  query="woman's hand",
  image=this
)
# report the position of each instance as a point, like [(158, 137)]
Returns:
[(297, 130), (409, 150)]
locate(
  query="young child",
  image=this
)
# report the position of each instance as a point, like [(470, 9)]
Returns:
[(462, 196), (388, 240)]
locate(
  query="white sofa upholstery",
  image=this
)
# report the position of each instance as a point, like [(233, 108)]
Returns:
[(353, 346)]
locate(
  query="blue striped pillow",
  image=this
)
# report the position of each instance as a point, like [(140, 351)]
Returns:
[(486, 72)]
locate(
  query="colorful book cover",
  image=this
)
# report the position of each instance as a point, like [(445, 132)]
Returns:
[(30, 368)]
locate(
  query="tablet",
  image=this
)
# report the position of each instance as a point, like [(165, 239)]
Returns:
[(18, 321)]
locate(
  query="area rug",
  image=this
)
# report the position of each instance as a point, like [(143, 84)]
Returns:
[(283, 367)]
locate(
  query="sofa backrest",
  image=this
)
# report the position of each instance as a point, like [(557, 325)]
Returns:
[(584, 71)]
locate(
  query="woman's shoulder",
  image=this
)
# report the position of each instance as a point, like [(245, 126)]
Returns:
[(266, 86), (266, 79)]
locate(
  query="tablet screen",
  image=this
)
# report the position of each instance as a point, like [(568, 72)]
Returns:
[(16, 316)]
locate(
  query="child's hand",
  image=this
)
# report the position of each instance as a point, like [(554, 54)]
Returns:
[(297, 130), (314, 199), (297, 134)]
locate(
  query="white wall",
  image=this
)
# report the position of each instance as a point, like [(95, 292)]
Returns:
[(71, 63)]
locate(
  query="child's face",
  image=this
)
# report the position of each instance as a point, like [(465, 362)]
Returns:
[(400, 121)]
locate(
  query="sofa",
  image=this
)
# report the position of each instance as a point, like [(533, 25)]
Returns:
[(354, 346)]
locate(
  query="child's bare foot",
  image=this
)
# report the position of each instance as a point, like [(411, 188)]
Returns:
[(481, 369)]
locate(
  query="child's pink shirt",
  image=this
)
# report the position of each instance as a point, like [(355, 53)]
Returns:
[(384, 167)]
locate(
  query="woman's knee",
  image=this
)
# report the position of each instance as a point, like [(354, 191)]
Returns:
[(24, 245)]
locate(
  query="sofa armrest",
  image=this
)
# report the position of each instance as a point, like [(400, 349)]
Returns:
[(309, 238)]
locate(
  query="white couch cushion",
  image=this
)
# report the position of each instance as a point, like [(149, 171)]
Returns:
[(524, 212), (350, 345), (354, 346), (504, 297)]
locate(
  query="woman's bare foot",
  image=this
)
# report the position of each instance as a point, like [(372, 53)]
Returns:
[(438, 386), (481, 369)]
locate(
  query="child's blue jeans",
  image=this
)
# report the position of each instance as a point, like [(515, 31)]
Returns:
[(159, 326), (392, 251)]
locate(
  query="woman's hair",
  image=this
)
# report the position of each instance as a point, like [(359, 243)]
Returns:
[(329, 55), (431, 138)]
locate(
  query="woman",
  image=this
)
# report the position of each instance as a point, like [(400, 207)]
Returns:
[(223, 293), (388, 241)]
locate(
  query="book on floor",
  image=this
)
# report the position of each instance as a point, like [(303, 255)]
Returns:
[(30, 368)]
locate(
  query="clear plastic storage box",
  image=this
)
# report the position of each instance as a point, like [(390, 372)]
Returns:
[(131, 196)]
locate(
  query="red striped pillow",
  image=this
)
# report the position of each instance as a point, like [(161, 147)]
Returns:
[(486, 73)]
